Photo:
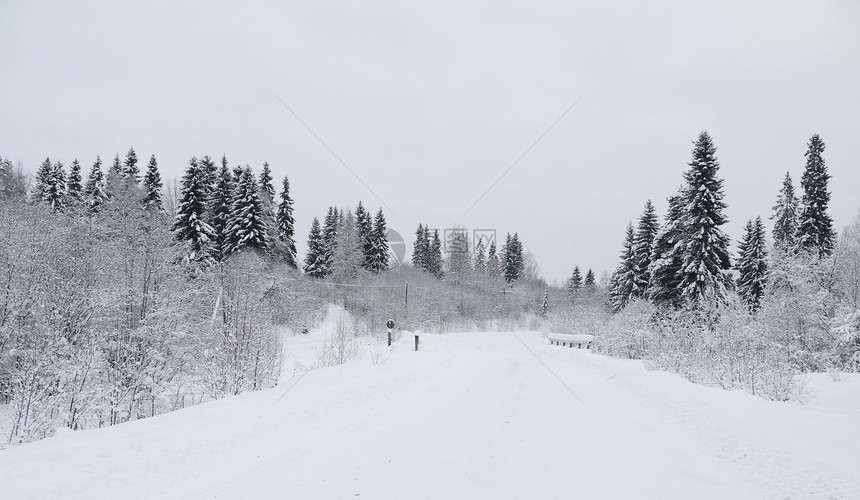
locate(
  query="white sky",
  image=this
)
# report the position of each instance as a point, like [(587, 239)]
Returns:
[(429, 104)]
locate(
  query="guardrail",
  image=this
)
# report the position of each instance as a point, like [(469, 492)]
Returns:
[(571, 340)]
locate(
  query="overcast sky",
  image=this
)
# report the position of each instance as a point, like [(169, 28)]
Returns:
[(429, 104)]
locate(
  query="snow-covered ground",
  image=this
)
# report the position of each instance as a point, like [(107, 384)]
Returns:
[(471, 415)]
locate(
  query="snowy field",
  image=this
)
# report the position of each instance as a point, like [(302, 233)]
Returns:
[(471, 415)]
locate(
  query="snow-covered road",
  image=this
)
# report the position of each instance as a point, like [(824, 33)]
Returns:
[(477, 415)]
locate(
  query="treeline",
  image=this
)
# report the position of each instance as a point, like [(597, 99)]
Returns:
[(777, 309)]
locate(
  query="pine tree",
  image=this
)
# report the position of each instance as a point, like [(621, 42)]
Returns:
[(480, 258), (492, 261), (784, 217), (815, 231), (330, 227), (94, 191), (219, 208), (189, 224), (55, 195), (643, 243), (623, 282), (421, 248), (114, 177), (286, 225), (74, 187), (512, 258), (544, 310), (130, 172), (152, 184), (210, 174), (752, 264), (267, 189), (364, 224), (705, 259), (589, 279), (43, 181), (434, 255), (574, 284), (379, 244), (315, 265), (246, 227), (667, 255)]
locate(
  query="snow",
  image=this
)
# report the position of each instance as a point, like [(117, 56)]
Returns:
[(470, 415)]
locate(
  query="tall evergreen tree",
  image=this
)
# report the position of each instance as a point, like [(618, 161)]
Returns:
[(41, 187), (247, 226), (574, 284), (643, 243), (286, 226), (130, 172), (189, 224), (94, 191), (589, 279), (667, 255), (210, 173), (55, 196), (492, 261), (364, 224), (784, 217), (152, 185), (267, 189), (752, 264), (330, 228), (114, 177), (512, 258), (315, 265), (379, 244), (219, 209), (74, 186), (544, 310), (459, 259), (704, 270), (421, 248), (480, 258), (434, 255), (815, 231), (623, 281)]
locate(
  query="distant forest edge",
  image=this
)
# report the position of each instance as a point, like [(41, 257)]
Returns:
[(120, 299)]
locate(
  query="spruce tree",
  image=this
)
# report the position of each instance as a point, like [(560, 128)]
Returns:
[(55, 196), (574, 284), (152, 185), (94, 191), (364, 224), (643, 243), (74, 187), (189, 224), (379, 244), (785, 214), (267, 189), (315, 265), (815, 231), (705, 258), (492, 261), (623, 282), (246, 227), (114, 177), (512, 258), (752, 264), (219, 209), (210, 173), (459, 259), (330, 227), (42, 182), (421, 248), (286, 225), (130, 172), (544, 310), (434, 255), (667, 255), (480, 258), (348, 256), (589, 279)]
